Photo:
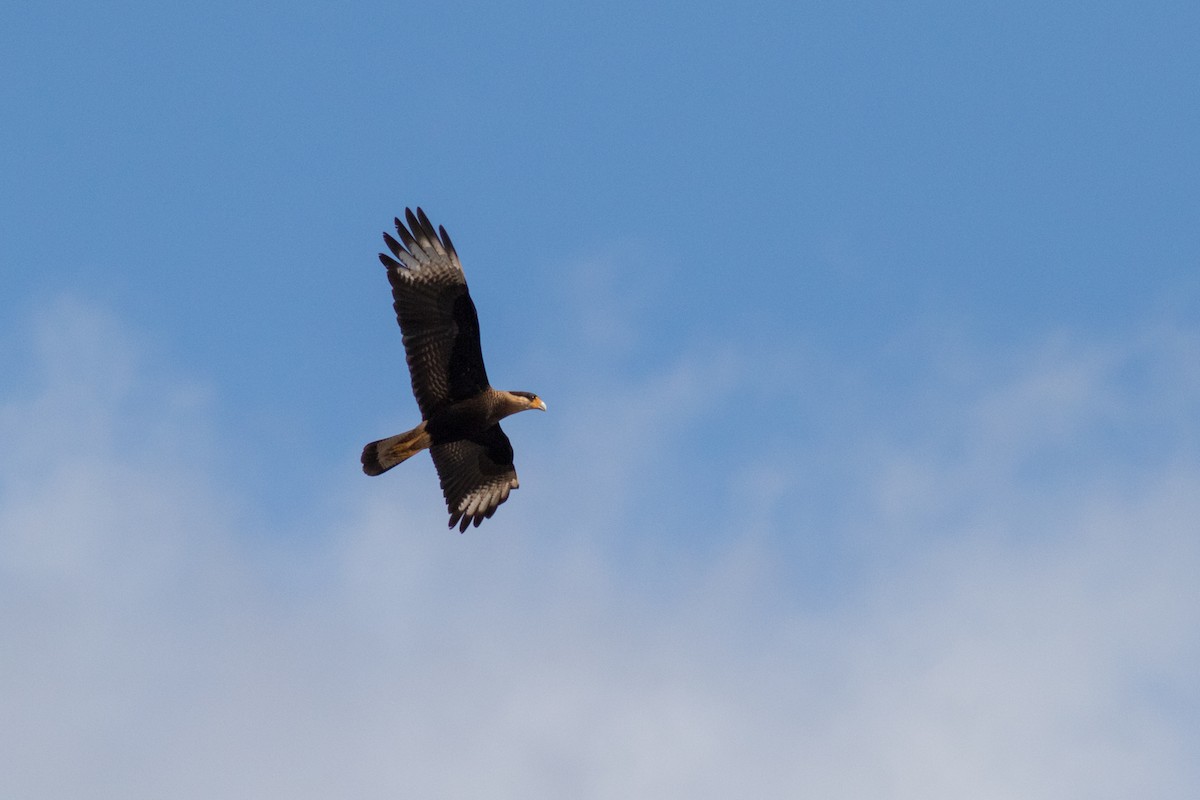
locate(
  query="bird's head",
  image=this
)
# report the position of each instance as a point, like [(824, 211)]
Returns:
[(529, 400)]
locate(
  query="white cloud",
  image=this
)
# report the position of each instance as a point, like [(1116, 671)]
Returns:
[(1009, 637)]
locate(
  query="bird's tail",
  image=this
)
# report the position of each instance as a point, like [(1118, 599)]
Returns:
[(378, 457)]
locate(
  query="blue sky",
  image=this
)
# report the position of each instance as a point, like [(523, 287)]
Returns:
[(870, 335)]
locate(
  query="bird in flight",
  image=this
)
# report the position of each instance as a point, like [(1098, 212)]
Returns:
[(460, 411)]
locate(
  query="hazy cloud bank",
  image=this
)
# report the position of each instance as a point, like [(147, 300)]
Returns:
[(1018, 619)]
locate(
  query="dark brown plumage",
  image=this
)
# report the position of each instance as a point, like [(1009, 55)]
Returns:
[(460, 411)]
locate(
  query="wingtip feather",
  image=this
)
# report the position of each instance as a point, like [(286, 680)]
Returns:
[(405, 236), (449, 245), (414, 224), (393, 245)]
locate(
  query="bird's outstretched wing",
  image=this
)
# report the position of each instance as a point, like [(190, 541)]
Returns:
[(477, 475), (436, 315)]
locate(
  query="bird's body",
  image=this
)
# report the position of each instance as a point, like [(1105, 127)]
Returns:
[(460, 410)]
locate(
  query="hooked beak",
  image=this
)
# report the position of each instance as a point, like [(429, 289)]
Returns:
[(538, 404)]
